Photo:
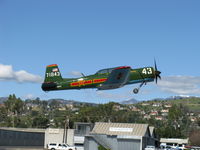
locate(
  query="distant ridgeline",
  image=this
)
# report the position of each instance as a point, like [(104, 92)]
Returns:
[(173, 99), (3, 99)]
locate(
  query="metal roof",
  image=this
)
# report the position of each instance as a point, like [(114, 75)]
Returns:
[(23, 129), (128, 129)]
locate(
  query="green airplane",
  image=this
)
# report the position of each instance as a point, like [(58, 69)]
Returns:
[(105, 79)]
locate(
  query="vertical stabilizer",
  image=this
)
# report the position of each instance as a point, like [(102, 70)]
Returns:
[(52, 74)]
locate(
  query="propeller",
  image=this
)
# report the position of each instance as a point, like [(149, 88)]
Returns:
[(157, 72)]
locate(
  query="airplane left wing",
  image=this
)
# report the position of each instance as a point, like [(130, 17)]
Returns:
[(117, 78)]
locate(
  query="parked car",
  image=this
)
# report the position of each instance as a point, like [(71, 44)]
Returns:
[(150, 147), (166, 147), (58, 146)]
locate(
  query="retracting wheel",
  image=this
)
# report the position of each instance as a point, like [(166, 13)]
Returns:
[(135, 91)]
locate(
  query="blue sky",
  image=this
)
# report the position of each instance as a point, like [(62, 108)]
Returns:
[(86, 36)]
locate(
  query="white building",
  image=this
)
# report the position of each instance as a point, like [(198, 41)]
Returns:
[(174, 142), (53, 135)]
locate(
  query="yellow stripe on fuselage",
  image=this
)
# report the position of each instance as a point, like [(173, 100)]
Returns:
[(87, 82)]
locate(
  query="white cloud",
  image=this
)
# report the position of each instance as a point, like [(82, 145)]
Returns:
[(7, 73), (181, 85)]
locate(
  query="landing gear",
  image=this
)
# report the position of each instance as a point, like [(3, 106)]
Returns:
[(136, 90)]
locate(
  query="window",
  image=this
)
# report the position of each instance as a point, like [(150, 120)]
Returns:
[(109, 70), (102, 71), (64, 145)]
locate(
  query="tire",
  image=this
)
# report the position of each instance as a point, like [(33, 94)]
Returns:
[(135, 91), (53, 149)]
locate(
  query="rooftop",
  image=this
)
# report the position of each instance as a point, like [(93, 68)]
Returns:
[(23, 129), (173, 140), (129, 129)]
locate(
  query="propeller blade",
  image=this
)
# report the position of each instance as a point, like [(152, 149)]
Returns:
[(156, 80), (155, 65), (157, 73)]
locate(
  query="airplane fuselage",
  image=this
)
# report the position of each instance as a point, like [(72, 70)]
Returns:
[(139, 75)]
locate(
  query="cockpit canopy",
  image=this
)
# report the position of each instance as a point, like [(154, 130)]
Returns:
[(103, 71)]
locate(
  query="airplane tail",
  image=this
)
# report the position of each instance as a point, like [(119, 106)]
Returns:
[(52, 74)]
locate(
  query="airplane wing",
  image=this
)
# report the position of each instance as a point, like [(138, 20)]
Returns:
[(117, 78)]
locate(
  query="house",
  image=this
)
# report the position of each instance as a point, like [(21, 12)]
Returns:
[(118, 136), (159, 118), (168, 105), (164, 112), (193, 119), (70, 106), (145, 104), (118, 107), (154, 113), (156, 105), (62, 108), (135, 109), (142, 112), (32, 106), (147, 117)]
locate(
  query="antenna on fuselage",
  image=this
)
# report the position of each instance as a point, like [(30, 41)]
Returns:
[(82, 74)]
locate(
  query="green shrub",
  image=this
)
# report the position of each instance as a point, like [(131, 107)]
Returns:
[(100, 147)]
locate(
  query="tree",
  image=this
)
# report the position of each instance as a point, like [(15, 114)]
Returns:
[(198, 122), (18, 106), (14, 105), (54, 104), (178, 121), (3, 116), (40, 122)]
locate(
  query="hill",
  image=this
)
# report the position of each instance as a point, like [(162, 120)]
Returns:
[(63, 101), (3, 99), (131, 101), (193, 103)]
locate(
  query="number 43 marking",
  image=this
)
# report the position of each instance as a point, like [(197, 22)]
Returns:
[(147, 71)]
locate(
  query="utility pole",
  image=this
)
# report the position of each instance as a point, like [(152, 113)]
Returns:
[(65, 129), (64, 132)]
